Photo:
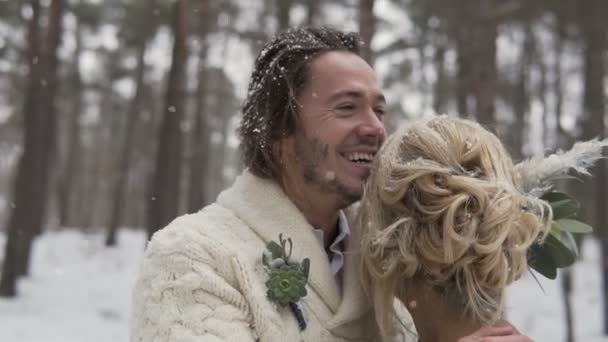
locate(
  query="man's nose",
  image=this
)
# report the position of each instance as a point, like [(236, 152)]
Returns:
[(372, 126)]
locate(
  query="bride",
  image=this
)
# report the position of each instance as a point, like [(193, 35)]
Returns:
[(446, 227)]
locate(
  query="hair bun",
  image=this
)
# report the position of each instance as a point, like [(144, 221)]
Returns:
[(447, 210)]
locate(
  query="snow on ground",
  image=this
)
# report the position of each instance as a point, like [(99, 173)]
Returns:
[(79, 292)]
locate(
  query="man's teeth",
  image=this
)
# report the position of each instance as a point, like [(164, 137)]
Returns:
[(360, 157)]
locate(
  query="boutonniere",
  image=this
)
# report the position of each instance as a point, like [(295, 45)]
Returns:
[(286, 283)]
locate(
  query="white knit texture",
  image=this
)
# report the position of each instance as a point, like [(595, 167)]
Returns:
[(202, 277)]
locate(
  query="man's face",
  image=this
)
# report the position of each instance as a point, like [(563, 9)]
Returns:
[(340, 130)]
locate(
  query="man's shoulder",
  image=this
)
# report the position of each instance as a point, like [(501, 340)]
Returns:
[(206, 229)]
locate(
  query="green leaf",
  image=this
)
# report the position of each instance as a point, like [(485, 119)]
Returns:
[(564, 209), (555, 196), (540, 259), (563, 205), (562, 250), (554, 252), (567, 240), (265, 260), (275, 249), (306, 267), (574, 226)]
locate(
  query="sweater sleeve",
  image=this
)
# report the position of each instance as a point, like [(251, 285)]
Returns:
[(405, 331), (180, 297)]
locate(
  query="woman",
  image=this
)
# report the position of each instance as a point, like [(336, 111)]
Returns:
[(446, 227)]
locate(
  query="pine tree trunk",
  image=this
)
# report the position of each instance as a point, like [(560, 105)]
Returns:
[(440, 88), (484, 49), (521, 101), (595, 49), (464, 61), (566, 283), (69, 176), (367, 28), (557, 83), (120, 182), (31, 184), (46, 128), (283, 8), (543, 87), (476, 45), (199, 142), (164, 197), (313, 9)]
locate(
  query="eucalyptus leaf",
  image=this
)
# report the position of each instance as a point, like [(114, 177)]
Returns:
[(556, 230), (555, 196), (567, 240), (540, 259), (562, 250), (574, 226), (266, 256), (306, 267), (562, 204), (276, 250), (564, 209)]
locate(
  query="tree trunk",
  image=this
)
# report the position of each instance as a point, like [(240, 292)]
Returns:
[(594, 29), (199, 151), (164, 197), (367, 28), (120, 182), (283, 9), (25, 176), (440, 88), (69, 176), (543, 87), (476, 44), (313, 9), (484, 69), (566, 283), (464, 60), (46, 131), (562, 135), (521, 103), (32, 178), (459, 22)]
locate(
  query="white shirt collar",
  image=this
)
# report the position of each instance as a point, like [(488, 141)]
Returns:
[(338, 246)]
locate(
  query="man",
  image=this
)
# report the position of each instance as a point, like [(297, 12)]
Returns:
[(312, 123)]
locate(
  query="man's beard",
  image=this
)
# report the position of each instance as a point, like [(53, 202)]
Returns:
[(311, 153)]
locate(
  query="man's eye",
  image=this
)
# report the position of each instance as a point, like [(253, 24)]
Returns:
[(346, 107), (380, 111)]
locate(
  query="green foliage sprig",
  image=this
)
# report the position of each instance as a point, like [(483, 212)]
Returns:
[(558, 250)]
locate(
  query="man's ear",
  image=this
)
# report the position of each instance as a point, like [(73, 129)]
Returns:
[(282, 149), (283, 153)]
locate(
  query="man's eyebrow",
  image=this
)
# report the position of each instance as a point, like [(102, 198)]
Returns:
[(354, 94)]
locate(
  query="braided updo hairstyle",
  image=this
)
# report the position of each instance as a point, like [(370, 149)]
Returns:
[(443, 207)]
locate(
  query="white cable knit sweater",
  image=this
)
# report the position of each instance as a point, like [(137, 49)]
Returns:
[(202, 277)]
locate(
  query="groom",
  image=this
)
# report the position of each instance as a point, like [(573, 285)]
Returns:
[(312, 123)]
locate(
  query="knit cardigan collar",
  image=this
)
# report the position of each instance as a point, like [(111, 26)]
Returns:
[(264, 207)]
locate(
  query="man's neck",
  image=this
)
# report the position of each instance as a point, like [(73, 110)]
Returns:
[(326, 220), (437, 320), (321, 214)]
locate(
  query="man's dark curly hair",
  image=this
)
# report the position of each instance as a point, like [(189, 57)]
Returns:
[(280, 72)]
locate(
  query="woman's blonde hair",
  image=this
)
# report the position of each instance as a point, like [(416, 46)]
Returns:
[(443, 206)]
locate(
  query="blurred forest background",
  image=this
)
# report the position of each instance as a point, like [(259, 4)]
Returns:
[(121, 113)]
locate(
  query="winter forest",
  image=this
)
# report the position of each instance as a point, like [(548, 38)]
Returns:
[(118, 115)]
